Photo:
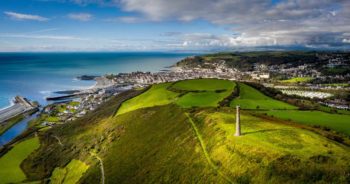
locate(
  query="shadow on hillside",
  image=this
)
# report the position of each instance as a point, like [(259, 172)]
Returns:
[(264, 130)]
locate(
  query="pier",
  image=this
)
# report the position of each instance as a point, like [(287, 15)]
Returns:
[(21, 106)]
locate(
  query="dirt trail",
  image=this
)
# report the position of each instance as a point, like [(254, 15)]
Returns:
[(101, 167), (58, 139), (206, 154)]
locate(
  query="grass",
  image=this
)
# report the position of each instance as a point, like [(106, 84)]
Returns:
[(70, 174), (297, 80), (204, 85), (268, 152), (52, 119), (202, 99), (197, 93), (157, 95), (11, 171), (336, 85), (161, 144), (165, 143), (250, 98), (338, 122), (154, 134)]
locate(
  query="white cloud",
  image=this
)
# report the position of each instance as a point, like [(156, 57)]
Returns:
[(20, 16), (80, 16), (125, 19), (46, 37), (257, 22)]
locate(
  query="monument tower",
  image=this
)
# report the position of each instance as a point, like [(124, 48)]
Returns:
[(238, 122)]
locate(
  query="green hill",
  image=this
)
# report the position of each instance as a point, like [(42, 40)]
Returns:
[(156, 139), (250, 98)]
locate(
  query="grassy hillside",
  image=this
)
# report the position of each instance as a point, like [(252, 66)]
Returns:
[(165, 145), (156, 140), (188, 93), (204, 85), (250, 98), (338, 122), (157, 95), (202, 99), (269, 152), (10, 171), (70, 174)]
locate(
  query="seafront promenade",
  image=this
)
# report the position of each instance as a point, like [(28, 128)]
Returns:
[(21, 105)]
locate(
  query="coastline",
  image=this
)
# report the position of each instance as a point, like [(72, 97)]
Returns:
[(8, 124), (8, 106)]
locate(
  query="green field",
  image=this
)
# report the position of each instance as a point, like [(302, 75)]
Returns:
[(297, 79), (202, 99), (69, 174), (204, 85), (11, 171), (195, 93), (338, 122), (337, 84), (250, 98), (157, 95)]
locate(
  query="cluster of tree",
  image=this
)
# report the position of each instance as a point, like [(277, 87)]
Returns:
[(245, 61), (226, 101), (191, 62)]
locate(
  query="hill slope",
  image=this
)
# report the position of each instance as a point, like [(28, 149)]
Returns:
[(166, 143)]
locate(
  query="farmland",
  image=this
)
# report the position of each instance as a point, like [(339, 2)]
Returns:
[(69, 174), (250, 98), (11, 171), (204, 85), (338, 122), (188, 93), (157, 95)]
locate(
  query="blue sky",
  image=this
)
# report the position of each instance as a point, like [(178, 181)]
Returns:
[(182, 25)]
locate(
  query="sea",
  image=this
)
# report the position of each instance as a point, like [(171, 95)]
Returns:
[(39, 75)]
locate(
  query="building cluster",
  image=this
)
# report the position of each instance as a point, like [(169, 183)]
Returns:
[(308, 94), (71, 110), (176, 74), (338, 104)]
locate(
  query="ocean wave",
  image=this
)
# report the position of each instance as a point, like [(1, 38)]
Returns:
[(45, 92), (11, 101)]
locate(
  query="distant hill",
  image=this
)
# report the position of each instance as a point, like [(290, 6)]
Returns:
[(245, 61)]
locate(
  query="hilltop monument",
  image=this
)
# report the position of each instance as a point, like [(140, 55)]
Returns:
[(238, 122)]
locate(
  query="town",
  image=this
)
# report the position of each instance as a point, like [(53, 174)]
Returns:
[(305, 80)]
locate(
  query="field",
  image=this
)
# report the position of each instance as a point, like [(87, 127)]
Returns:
[(188, 93), (69, 174), (338, 122), (297, 80), (203, 85), (250, 98), (11, 171), (157, 95), (202, 99)]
